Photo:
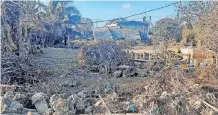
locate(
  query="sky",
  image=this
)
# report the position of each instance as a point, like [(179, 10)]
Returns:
[(106, 10)]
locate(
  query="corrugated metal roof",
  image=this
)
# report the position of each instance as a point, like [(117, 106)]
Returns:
[(132, 23), (102, 33)]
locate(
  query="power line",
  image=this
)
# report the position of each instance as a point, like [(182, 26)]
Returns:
[(158, 17), (134, 14)]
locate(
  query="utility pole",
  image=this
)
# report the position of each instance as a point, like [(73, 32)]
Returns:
[(179, 5), (149, 25)]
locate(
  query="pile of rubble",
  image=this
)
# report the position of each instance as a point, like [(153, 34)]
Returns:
[(129, 71), (40, 103), (171, 92), (168, 92)]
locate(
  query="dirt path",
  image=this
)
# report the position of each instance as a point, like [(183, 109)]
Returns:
[(56, 60)]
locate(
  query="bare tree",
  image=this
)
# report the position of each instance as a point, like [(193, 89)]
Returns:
[(209, 25), (105, 55), (193, 10), (203, 15), (167, 29)]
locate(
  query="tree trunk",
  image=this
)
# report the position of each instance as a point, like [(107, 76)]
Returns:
[(216, 60)]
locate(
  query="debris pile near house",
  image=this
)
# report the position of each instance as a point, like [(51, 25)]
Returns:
[(40, 103), (115, 86), (170, 92), (129, 71), (167, 92)]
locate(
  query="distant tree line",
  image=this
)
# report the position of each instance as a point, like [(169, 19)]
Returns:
[(29, 23), (196, 26)]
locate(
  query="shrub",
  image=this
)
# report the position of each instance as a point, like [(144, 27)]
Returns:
[(104, 56)]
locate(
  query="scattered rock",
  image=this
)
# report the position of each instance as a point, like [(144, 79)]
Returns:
[(117, 74), (140, 73), (22, 99), (130, 72), (88, 110), (72, 100), (73, 97), (163, 95), (63, 76), (80, 105), (75, 83), (8, 105), (158, 66), (39, 100), (72, 112), (123, 67), (29, 110), (49, 111), (58, 113), (33, 113), (61, 106), (53, 99), (9, 94), (82, 94), (197, 104), (97, 103), (68, 83)]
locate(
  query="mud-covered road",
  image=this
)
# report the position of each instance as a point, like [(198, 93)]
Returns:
[(56, 60)]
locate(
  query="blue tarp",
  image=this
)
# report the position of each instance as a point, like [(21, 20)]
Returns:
[(116, 34), (132, 23), (75, 33), (129, 29), (143, 36), (102, 33)]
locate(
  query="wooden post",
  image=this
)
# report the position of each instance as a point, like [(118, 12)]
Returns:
[(189, 58), (134, 55), (108, 110), (149, 56), (216, 60)]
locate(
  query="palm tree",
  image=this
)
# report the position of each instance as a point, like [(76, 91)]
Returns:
[(68, 15)]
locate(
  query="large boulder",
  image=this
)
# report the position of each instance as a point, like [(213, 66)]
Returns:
[(22, 99), (61, 107), (130, 72), (117, 74), (123, 67), (89, 109), (72, 101), (40, 102), (80, 104), (53, 100), (141, 73), (158, 66), (69, 83), (84, 105), (49, 111), (8, 105)]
